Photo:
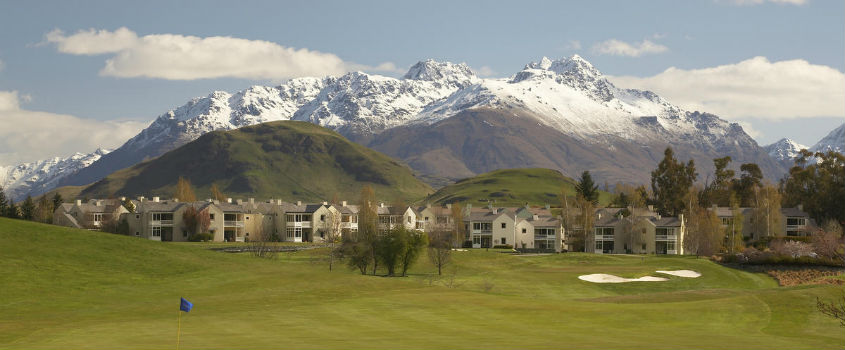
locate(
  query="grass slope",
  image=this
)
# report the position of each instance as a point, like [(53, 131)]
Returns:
[(67, 288), (286, 159), (536, 186)]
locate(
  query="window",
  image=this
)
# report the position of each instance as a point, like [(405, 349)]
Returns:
[(604, 231), (162, 216), (354, 219), (670, 245), (98, 217), (795, 222), (156, 231), (322, 218), (184, 233), (409, 219), (137, 233), (247, 217), (544, 232), (211, 216), (504, 225), (504, 240), (247, 234), (322, 234), (426, 218), (137, 216), (482, 226), (524, 230)]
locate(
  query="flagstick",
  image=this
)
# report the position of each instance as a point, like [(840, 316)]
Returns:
[(179, 329)]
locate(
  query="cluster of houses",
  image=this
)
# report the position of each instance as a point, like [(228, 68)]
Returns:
[(616, 230)]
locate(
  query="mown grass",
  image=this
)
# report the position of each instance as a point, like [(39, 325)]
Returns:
[(512, 187), (66, 288)]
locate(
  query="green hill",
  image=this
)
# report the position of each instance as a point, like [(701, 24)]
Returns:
[(63, 288), (285, 159), (536, 186)]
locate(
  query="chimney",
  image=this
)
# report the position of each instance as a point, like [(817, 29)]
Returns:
[(209, 200), (229, 200), (98, 203), (239, 201), (122, 199), (343, 203), (448, 205), (279, 201), (495, 210), (658, 216), (79, 201), (650, 207), (252, 201), (536, 217), (801, 207), (548, 207), (155, 199), (141, 198), (325, 203), (428, 205), (381, 205), (598, 215), (175, 200), (298, 203)]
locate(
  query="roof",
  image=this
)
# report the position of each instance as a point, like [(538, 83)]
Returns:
[(793, 212), (485, 214), (666, 221)]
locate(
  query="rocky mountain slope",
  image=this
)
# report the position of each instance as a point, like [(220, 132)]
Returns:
[(834, 141), (564, 97), (784, 151), (41, 176)]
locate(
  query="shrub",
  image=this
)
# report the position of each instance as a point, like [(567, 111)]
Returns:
[(201, 237), (503, 246)]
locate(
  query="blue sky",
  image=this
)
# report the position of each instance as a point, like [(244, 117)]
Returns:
[(801, 41)]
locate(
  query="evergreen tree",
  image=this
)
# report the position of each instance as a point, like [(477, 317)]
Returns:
[(13, 211), (819, 186), (587, 189), (43, 210), (57, 201), (671, 182), (4, 203), (28, 208), (750, 180)]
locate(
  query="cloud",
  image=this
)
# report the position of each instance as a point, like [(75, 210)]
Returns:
[(749, 129), (35, 135), (760, 2), (484, 71), (752, 88), (2, 65), (621, 48), (181, 57), (573, 45)]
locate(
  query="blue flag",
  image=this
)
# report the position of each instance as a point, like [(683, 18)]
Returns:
[(185, 305)]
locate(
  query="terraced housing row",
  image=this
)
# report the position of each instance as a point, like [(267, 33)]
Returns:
[(616, 230)]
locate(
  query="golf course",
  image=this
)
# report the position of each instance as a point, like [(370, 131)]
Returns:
[(68, 288)]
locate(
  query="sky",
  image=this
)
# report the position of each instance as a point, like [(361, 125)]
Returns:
[(77, 75)]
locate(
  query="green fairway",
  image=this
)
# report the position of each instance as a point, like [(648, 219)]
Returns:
[(67, 288)]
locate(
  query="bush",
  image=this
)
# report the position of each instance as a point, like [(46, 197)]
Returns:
[(503, 246), (201, 237), (752, 256), (467, 244)]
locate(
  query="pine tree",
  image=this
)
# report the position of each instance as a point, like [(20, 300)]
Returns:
[(671, 182), (4, 203), (587, 189), (28, 208), (57, 201), (12, 210)]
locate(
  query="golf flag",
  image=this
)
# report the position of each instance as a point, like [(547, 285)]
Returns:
[(185, 305)]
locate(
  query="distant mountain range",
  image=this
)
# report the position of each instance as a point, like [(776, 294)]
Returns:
[(785, 150), (447, 123)]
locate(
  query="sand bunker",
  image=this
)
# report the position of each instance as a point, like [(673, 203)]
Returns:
[(605, 278), (681, 273)]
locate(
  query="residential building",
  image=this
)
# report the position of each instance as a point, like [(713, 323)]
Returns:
[(636, 231)]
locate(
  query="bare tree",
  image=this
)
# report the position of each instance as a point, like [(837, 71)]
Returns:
[(828, 241), (833, 309), (440, 246), (261, 245), (766, 217), (333, 228), (458, 229)]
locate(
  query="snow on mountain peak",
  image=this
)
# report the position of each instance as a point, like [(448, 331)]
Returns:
[(784, 149), (40, 176), (834, 141), (453, 74)]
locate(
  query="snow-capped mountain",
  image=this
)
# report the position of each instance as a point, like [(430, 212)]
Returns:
[(834, 141), (784, 150), (44, 175), (568, 95)]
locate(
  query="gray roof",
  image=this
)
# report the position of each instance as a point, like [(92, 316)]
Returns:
[(793, 212)]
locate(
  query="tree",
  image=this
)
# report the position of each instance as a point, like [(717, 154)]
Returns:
[(718, 192), (4, 203), (819, 186), (43, 210), (390, 247), (587, 189), (750, 180), (734, 236), (368, 223), (440, 246), (184, 191), (217, 194), (458, 228), (632, 232), (261, 243), (828, 241), (671, 182), (704, 233), (12, 210), (586, 219), (359, 255), (332, 229), (832, 309), (415, 241), (190, 220), (766, 217), (28, 208), (57, 201)]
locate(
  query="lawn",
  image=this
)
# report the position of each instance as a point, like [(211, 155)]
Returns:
[(66, 288)]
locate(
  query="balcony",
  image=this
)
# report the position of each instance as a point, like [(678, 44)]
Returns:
[(666, 237), (161, 222), (604, 237), (304, 224), (233, 224)]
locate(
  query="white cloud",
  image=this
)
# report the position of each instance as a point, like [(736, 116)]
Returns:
[(573, 45), (752, 88), (621, 48), (33, 135), (181, 57), (749, 129), (484, 71), (759, 2)]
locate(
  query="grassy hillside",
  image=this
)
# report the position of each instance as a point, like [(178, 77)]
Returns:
[(288, 160), (511, 187), (67, 288)]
